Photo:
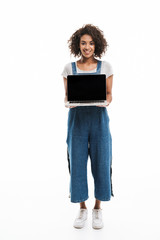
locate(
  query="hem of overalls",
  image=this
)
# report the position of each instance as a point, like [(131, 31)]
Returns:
[(78, 201), (103, 199)]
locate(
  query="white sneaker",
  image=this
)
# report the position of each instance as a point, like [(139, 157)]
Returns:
[(81, 218), (97, 221)]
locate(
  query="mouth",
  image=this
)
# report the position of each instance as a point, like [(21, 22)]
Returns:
[(87, 52)]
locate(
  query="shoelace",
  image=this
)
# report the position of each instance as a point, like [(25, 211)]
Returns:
[(97, 214), (81, 214)]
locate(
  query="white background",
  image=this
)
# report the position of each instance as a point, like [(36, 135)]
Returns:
[(34, 177)]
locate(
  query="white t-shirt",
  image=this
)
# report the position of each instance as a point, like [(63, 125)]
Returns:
[(106, 68)]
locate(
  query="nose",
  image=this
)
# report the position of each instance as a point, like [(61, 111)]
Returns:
[(87, 46)]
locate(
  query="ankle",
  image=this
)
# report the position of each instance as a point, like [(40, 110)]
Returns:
[(97, 207), (83, 207)]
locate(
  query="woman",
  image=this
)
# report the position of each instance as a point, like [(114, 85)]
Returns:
[(88, 127)]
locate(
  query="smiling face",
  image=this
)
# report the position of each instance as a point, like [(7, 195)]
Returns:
[(87, 46)]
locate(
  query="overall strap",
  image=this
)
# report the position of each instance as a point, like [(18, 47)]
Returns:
[(74, 70), (99, 66)]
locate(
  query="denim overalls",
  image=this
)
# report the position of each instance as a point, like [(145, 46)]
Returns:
[(88, 133)]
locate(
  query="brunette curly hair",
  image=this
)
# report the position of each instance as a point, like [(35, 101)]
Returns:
[(97, 36)]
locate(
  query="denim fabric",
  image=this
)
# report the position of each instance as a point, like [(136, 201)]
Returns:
[(88, 133), (74, 70)]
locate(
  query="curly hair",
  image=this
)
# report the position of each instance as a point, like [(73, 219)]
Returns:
[(97, 36)]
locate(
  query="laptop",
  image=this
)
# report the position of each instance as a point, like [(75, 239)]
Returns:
[(86, 90)]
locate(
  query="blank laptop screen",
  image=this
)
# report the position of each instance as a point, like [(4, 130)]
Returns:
[(86, 87)]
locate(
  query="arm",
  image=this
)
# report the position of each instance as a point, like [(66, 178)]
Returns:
[(109, 83), (65, 89)]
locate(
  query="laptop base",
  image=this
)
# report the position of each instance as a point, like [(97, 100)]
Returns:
[(102, 103)]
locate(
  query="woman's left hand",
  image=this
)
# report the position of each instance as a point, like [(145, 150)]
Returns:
[(104, 105)]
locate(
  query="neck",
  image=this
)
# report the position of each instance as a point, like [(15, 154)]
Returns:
[(88, 60)]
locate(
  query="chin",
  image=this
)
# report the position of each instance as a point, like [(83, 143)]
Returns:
[(87, 56)]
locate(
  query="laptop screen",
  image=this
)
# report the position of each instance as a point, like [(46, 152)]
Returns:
[(86, 87)]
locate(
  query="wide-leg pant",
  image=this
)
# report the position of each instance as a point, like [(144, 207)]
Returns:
[(89, 134)]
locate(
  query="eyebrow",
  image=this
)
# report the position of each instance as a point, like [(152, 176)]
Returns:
[(85, 41)]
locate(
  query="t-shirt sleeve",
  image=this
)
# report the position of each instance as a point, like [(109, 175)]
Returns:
[(67, 70), (107, 68)]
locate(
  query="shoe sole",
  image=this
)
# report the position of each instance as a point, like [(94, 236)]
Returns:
[(98, 227), (78, 227)]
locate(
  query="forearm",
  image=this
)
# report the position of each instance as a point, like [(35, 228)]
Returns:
[(65, 98), (109, 97)]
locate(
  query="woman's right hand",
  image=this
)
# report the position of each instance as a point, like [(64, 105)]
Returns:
[(72, 106), (65, 100)]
